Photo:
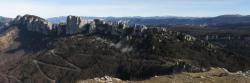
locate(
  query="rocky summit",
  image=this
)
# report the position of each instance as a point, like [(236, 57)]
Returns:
[(80, 49), (33, 23), (73, 25)]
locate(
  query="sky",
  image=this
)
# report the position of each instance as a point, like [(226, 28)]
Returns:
[(119, 8)]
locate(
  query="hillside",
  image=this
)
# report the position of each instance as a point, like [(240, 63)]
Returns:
[(81, 49), (6, 38), (233, 37), (215, 75)]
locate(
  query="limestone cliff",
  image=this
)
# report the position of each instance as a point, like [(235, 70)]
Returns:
[(74, 24), (33, 23)]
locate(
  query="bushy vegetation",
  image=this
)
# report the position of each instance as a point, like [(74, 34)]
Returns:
[(238, 43), (127, 56), (155, 54)]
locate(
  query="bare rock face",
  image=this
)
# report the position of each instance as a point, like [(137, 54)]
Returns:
[(138, 29), (33, 23), (75, 24), (17, 19)]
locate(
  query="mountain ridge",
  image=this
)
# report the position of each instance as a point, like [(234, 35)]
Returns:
[(81, 49), (171, 20)]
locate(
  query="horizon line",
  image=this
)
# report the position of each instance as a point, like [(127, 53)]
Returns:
[(130, 16)]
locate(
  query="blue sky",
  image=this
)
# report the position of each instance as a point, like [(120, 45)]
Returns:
[(52, 8)]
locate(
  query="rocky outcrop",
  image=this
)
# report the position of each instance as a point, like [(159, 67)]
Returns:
[(75, 24), (105, 79), (33, 23)]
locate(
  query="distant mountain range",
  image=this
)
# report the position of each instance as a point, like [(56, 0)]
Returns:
[(4, 19), (4, 22), (171, 20)]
